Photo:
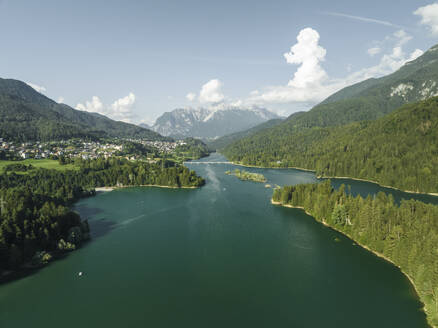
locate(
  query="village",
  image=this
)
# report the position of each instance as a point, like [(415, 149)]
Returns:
[(85, 149)]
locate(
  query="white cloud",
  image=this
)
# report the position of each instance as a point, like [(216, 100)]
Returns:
[(311, 83), (390, 61), (415, 54), (393, 59), (429, 17), (307, 84), (191, 96), (364, 19), (147, 120), (36, 87), (211, 92), (374, 51), (123, 105), (120, 110), (402, 37), (387, 65), (94, 105), (307, 53), (60, 100)]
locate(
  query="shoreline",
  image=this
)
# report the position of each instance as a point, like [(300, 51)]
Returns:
[(435, 194), (274, 168), (111, 188), (28, 269), (252, 176), (364, 247)]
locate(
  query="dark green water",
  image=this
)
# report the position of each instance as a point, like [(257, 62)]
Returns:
[(219, 256)]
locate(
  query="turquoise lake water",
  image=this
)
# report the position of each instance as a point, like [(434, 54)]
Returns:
[(218, 256)]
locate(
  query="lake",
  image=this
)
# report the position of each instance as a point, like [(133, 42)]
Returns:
[(218, 256)]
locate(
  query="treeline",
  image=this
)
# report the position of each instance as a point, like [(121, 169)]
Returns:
[(35, 220), (247, 176), (35, 226), (193, 149), (399, 150), (407, 233), (19, 167), (121, 172), (70, 185), (221, 142), (136, 148)]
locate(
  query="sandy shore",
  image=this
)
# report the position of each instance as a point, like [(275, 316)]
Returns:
[(105, 189)]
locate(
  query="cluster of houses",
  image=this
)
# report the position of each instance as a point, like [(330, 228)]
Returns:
[(162, 146), (27, 150), (71, 149), (77, 148)]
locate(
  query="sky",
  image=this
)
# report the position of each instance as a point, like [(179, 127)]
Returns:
[(134, 60)]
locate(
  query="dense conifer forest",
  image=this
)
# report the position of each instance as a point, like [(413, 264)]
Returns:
[(405, 233), (399, 150), (247, 176), (192, 149), (35, 219), (222, 142)]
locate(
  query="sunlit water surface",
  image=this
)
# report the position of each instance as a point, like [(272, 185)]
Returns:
[(218, 256)]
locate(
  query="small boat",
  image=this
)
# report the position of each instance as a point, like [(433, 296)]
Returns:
[(80, 274)]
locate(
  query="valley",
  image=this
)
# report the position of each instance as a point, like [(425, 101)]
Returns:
[(227, 247), (219, 164)]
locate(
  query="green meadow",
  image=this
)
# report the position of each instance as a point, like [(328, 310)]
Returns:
[(40, 163)]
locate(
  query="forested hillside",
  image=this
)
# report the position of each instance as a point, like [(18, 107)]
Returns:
[(373, 98), (26, 115), (224, 141), (407, 234), (369, 100), (399, 150), (192, 149)]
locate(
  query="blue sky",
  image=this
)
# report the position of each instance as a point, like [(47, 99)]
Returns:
[(133, 60)]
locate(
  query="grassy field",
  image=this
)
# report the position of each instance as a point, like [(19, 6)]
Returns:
[(44, 163)]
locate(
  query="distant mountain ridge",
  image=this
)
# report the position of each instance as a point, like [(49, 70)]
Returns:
[(210, 123), (26, 115), (222, 142), (144, 126)]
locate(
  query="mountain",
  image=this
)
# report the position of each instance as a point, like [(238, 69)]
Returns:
[(144, 126), (209, 123), (222, 142), (368, 100), (26, 114), (399, 149)]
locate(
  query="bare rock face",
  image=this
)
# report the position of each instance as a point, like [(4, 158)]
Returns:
[(210, 123)]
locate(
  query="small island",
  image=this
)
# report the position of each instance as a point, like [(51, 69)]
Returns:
[(247, 176)]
